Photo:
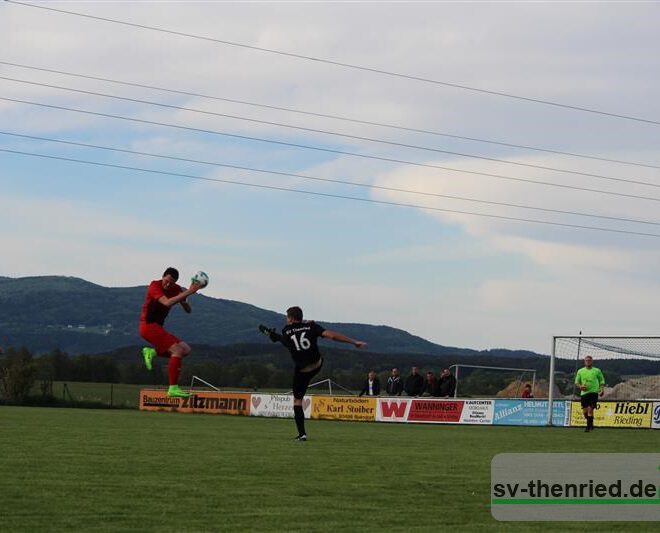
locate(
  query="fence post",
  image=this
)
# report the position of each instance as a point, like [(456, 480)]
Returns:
[(111, 391)]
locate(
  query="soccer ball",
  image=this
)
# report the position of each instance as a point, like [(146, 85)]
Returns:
[(201, 278)]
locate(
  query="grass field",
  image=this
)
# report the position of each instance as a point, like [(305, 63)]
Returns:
[(125, 470)]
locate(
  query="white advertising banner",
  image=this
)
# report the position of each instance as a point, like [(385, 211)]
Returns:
[(655, 421), (477, 412), (393, 409), (277, 405)]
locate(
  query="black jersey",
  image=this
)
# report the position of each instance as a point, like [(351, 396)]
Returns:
[(301, 340)]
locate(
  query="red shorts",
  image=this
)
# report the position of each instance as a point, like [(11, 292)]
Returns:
[(161, 339)]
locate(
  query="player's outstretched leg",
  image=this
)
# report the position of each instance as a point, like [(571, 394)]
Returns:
[(178, 352), (148, 354)]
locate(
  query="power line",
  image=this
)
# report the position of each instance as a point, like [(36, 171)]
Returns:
[(329, 150), (342, 64), (327, 180), (334, 117), (327, 132), (329, 195)]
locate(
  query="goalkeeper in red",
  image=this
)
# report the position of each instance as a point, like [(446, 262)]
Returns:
[(591, 382), (301, 337), (162, 294)]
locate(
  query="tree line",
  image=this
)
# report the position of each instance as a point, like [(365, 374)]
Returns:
[(253, 368), (21, 372)]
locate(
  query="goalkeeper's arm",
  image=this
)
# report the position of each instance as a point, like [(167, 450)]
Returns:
[(271, 333)]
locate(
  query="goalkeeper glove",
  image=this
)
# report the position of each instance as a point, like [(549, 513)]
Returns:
[(270, 333)]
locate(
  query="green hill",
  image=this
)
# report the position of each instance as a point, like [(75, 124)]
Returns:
[(43, 313)]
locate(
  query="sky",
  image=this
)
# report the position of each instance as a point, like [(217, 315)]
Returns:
[(454, 278)]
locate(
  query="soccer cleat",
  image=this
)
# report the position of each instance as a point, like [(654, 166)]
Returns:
[(175, 391), (148, 354), (301, 438)]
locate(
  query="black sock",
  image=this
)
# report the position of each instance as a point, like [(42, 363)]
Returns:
[(590, 422), (299, 415)]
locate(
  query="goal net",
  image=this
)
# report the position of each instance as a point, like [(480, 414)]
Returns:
[(631, 366), (477, 381)]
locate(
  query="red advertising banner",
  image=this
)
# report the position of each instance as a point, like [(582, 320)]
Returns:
[(448, 411)]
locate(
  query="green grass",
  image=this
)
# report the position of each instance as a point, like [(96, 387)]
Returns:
[(109, 470)]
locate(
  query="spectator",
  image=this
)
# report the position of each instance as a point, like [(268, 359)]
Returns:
[(394, 385), (371, 385), (527, 391), (414, 383), (446, 384), (430, 385)]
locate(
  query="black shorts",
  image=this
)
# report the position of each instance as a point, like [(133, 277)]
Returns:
[(301, 381), (589, 400)]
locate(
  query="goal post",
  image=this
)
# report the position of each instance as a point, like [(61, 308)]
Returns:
[(630, 364)]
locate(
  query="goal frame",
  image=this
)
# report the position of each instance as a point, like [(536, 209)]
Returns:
[(551, 371)]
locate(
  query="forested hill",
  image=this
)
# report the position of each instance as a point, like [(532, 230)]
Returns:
[(43, 313)]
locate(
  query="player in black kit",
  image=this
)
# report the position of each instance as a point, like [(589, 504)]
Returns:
[(300, 337)]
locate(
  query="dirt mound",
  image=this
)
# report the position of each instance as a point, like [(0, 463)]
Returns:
[(647, 387)]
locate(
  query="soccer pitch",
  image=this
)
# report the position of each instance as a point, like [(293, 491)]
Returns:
[(120, 470)]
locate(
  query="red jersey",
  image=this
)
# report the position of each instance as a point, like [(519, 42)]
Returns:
[(152, 310)]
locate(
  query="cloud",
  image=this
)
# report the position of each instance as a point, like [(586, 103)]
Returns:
[(454, 278)]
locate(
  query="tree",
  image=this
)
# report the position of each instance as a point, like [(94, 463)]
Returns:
[(18, 372)]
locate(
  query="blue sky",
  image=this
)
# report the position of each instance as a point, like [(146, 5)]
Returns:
[(454, 279)]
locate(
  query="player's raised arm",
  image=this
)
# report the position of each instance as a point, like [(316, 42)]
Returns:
[(340, 337), (169, 302)]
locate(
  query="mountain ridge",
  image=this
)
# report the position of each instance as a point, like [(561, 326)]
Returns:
[(79, 316)]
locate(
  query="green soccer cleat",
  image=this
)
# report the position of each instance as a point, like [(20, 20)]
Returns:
[(148, 354), (177, 392)]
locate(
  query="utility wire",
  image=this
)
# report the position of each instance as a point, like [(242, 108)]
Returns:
[(327, 132), (341, 64), (329, 150), (329, 195), (326, 180), (334, 117)]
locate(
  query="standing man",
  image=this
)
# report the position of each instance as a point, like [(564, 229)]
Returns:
[(301, 340), (371, 385), (430, 385), (591, 382), (162, 294), (394, 385), (446, 384), (414, 383)]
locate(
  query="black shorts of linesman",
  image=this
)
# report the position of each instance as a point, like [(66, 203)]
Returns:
[(301, 338)]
